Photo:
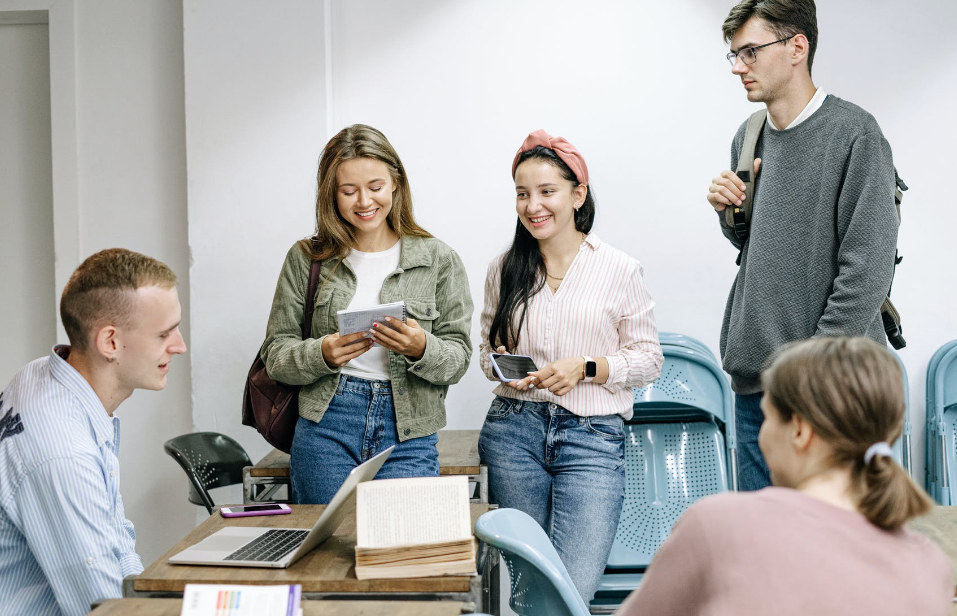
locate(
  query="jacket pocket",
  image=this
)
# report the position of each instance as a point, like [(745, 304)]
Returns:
[(324, 317), (423, 311)]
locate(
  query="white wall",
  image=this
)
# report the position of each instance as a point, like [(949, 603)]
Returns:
[(28, 316), (255, 123), (642, 89), (132, 193)]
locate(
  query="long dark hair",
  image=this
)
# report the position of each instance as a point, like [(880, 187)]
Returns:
[(523, 267)]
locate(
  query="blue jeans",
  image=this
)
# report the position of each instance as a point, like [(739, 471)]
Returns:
[(359, 423), (566, 471), (753, 473)]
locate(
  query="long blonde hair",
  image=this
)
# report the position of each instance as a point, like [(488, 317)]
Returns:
[(336, 237), (851, 392)]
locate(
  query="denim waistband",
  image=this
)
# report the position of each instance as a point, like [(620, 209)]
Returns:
[(357, 384)]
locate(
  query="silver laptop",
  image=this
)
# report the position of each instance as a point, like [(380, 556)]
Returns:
[(277, 548)]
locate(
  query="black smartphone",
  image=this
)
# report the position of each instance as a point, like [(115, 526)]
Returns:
[(512, 367)]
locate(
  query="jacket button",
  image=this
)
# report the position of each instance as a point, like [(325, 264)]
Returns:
[(428, 312), (407, 431), (402, 391)]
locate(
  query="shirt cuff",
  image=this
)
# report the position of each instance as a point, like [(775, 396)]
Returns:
[(616, 376)]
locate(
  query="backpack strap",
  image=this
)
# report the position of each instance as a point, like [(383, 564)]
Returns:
[(738, 217), (310, 306)]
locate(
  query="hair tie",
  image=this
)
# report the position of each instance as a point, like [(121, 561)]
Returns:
[(878, 449), (565, 151)]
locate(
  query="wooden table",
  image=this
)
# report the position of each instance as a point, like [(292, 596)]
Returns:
[(173, 607), (458, 455), (327, 572)]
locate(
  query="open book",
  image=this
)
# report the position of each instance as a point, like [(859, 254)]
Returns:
[(415, 527)]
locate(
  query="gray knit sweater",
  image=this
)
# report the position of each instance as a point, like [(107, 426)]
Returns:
[(819, 259)]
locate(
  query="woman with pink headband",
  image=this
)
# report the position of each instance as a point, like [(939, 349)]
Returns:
[(554, 440)]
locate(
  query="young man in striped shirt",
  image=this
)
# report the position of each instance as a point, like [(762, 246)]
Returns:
[(64, 537)]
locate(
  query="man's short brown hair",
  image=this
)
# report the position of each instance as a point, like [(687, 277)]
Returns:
[(100, 291), (784, 17)]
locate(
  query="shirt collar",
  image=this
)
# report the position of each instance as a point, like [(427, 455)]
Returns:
[(414, 253), (813, 105), (592, 241), (105, 428)]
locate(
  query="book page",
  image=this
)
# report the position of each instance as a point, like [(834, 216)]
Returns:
[(392, 512)]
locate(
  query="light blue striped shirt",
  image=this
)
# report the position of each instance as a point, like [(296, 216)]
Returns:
[(64, 537)]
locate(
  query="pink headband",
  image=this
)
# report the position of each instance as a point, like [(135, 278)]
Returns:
[(565, 151)]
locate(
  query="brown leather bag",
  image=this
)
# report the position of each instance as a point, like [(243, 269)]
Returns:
[(268, 405)]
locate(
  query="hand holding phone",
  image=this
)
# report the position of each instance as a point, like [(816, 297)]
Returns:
[(240, 511), (510, 368)]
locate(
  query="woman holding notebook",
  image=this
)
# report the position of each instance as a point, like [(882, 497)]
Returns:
[(366, 391), (829, 537), (554, 440)]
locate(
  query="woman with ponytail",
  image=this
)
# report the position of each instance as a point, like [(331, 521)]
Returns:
[(828, 538), (554, 440)]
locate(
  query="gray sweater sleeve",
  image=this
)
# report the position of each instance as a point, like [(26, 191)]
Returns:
[(867, 235)]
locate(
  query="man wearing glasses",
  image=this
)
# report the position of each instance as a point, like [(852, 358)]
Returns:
[(818, 256)]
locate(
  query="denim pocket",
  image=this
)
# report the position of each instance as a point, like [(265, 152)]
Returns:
[(500, 409), (608, 427)]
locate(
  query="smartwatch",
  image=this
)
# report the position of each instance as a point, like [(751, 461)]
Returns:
[(590, 369)]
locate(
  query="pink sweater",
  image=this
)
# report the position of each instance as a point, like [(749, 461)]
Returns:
[(778, 552)]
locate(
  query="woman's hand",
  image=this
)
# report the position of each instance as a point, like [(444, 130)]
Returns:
[(339, 350), (403, 338), (558, 377)]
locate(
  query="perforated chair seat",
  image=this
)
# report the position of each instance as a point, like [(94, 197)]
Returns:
[(667, 468), (211, 460), (540, 584)]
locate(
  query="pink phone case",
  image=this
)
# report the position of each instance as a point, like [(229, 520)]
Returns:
[(243, 514)]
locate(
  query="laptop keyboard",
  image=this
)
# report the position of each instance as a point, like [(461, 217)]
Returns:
[(271, 546)]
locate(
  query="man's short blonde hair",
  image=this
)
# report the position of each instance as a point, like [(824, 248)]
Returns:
[(100, 291)]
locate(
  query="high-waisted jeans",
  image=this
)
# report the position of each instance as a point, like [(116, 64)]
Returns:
[(565, 471), (359, 423)]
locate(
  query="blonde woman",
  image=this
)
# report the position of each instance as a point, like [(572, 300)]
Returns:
[(828, 539), (358, 399)]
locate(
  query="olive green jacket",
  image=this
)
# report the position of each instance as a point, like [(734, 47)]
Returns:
[(432, 281)]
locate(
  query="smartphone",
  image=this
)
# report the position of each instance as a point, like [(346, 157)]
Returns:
[(512, 367), (240, 511)]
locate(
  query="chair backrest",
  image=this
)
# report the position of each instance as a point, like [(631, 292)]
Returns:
[(211, 460), (902, 446), (942, 424), (691, 386), (676, 339), (540, 584)]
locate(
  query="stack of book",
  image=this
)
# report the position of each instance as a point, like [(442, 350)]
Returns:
[(416, 527)]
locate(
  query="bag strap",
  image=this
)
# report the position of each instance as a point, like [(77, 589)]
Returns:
[(738, 217), (310, 300)]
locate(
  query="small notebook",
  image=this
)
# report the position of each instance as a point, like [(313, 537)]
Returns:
[(361, 320)]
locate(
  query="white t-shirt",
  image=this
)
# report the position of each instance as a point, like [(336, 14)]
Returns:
[(371, 270)]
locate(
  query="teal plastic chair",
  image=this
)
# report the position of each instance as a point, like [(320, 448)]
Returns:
[(675, 339), (679, 447), (902, 446), (540, 584), (942, 424)]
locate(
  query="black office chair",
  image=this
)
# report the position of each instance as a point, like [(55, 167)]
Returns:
[(211, 460)]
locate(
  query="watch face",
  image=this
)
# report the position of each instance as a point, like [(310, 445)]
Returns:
[(591, 369)]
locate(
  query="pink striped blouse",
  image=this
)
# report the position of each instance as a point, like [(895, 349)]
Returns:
[(601, 309)]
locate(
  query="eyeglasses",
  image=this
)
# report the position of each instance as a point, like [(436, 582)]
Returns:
[(748, 55)]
